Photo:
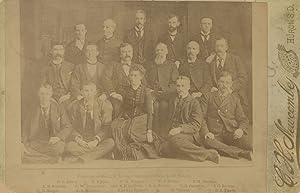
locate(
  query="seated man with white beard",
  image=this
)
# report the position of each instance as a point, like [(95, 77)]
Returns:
[(161, 78)]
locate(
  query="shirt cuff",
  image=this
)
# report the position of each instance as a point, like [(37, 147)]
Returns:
[(98, 138)]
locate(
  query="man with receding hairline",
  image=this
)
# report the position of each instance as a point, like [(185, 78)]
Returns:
[(198, 72), (75, 49), (141, 37), (108, 45)]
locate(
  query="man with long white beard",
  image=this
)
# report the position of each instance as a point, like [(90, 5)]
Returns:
[(161, 79)]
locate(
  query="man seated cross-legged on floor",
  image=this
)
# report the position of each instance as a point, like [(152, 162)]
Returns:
[(227, 121), (45, 130), (91, 127)]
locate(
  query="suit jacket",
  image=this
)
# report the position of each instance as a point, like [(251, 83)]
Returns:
[(73, 54), (176, 48), (233, 65), (225, 115), (109, 50), (81, 76), (59, 123), (66, 72), (199, 75), (148, 42), (78, 119), (192, 120), (162, 77), (208, 49)]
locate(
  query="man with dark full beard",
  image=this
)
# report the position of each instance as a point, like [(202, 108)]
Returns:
[(174, 39), (161, 78)]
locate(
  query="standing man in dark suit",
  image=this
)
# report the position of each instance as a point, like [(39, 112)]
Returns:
[(206, 38), (174, 39), (141, 37), (198, 72), (109, 44), (226, 119), (90, 71), (91, 137), (75, 49), (45, 130), (224, 61), (161, 78), (58, 74), (187, 127)]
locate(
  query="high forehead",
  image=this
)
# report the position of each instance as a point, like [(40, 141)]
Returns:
[(140, 14), (221, 41), (127, 47), (161, 46), (58, 47), (193, 44), (206, 20), (80, 26), (89, 86), (91, 47), (183, 81), (173, 18), (226, 78), (45, 89), (109, 22)]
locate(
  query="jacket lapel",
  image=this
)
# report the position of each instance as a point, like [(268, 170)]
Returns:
[(82, 114), (64, 75), (196, 74), (213, 69)]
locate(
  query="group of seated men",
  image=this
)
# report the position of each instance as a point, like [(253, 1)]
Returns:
[(80, 95)]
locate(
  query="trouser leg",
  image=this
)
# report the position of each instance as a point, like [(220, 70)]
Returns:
[(104, 147), (185, 147)]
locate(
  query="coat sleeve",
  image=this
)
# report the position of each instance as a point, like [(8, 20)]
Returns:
[(241, 117), (107, 79), (196, 121), (65, 125), (207, 85), (149, 108), (75, 82), (241, 79)]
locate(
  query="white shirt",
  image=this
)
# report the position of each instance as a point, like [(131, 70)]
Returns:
[(126, 69), (203, 34), (137, 29), (222, 60), (79, 44)]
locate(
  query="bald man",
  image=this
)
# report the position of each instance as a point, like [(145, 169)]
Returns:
[(206, 37), (197, 70), (75, 49), (109, 44), (141, 37), (161, 79)]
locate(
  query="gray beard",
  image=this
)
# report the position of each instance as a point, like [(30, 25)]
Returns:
[(159, 59)]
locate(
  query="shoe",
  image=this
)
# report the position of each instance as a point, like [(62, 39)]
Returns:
[(213, 156), (246, 154)]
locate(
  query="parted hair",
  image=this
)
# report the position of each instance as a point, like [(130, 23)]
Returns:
[(138, 67), (185, 78)]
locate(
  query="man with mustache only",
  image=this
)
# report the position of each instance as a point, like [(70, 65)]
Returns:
[(58, 74), (161, 79), (198, 72), (75, 49), (109, 44), (174, 39), (141, 37)]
